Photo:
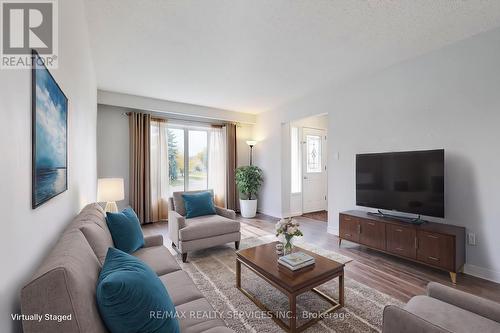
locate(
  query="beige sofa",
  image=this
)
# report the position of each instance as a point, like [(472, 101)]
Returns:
[(200, 232), (443, 310), (65, 282)]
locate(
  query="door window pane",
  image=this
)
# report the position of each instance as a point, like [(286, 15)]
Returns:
[(198, 160), (313, 143), (175, 159)]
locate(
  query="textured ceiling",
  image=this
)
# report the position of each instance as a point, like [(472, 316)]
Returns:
[(256, 55)]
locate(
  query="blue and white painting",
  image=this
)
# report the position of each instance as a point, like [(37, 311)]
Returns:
[(50, 127)]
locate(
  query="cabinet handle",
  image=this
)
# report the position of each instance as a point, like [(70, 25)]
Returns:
[(359, 228), (432, 236), (416, 242), (433, 258), (399, 230), (399, 249), (371, 223), (347, 218), (348, 235)]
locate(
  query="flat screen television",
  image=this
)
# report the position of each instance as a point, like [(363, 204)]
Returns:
[(410, 182)]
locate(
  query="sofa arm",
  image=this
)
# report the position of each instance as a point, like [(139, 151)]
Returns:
[(154, 240), (466, 301), (175, 223), (397, 320), (228, 213)]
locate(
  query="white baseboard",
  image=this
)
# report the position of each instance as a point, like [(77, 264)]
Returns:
[(333, 231), (483, 273)]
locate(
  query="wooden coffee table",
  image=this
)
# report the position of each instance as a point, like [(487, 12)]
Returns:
[(263, 261)]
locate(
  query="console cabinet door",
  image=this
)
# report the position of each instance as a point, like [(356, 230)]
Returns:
[(349, 228), (436, 249), (372, 234), (401, 240)]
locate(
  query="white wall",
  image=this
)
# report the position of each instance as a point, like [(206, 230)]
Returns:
[(113, 144), (446, 99), (27, 235)]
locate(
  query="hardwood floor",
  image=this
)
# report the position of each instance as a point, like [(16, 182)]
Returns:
[(321, 216), (390, 275)]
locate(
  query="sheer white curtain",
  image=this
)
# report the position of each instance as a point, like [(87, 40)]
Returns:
[(217, 156), (159, 170)]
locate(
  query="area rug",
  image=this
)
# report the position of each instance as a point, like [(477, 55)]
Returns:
[(213, 271)]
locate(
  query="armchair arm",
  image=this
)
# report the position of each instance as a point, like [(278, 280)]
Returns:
[(397, 320), (466, 301), (175, 223), (154, 240), (228, 213)]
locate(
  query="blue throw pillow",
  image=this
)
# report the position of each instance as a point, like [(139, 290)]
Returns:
[(125, 230), (198, 204), (131, 298)]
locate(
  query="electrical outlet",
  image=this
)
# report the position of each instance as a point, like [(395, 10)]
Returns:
[(471, 238)]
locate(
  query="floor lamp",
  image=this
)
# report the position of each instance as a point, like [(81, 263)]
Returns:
[(251, 143)]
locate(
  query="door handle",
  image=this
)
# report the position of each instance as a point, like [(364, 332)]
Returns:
[(305, 177)]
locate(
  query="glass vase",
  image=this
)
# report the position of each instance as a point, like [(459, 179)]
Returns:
[(288, 246)]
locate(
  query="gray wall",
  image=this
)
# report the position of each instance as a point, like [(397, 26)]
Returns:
[(445, 99), (27, 235), (113, 145)]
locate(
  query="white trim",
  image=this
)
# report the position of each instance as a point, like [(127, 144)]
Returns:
[(332, 230), (483, 273)]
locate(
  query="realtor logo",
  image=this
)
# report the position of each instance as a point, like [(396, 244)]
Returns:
[(28, 25)]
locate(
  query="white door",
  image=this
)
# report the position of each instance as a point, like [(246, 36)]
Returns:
[(314, 176)]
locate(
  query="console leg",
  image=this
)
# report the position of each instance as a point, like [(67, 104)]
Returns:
[(184, 257), (340, 241), (453, 277), (237, 245)]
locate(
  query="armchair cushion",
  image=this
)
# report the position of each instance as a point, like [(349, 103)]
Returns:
[(450, 317), (178, 201), (207, 226), (198, 204)]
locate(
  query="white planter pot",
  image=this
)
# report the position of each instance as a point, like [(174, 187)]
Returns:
[(248, 208)]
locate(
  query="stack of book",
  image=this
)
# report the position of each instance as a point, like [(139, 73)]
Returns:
[(296, 261)]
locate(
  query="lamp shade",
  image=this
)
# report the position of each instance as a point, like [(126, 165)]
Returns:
[(251, 142), (110, 189)]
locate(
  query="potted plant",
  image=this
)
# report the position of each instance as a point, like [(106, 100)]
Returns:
[(248, 180)]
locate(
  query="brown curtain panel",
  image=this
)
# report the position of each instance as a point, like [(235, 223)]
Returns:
[(140, 177), (231, 192)]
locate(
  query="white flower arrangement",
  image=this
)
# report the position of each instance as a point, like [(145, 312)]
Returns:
[(288, 228)]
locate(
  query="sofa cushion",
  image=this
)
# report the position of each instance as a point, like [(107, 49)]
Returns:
[(207, 226), (125, 230), (128, 291), (98, 239), (179, 201), (180, 287), (158, 258), (450, 317), (193, 321), (198, 204)]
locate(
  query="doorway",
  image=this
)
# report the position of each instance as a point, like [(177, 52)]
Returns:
[(307, 193)]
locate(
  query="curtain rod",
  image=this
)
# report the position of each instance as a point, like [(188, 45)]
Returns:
[(187, 119)]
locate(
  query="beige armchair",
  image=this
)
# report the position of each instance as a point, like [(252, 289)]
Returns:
[(200, 232), (443, 310)]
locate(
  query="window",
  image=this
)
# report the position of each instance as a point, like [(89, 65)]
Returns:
[(313, 144), (296, 161), (187, 158)]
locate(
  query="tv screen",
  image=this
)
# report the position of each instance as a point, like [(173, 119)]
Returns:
[(410, 182)]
